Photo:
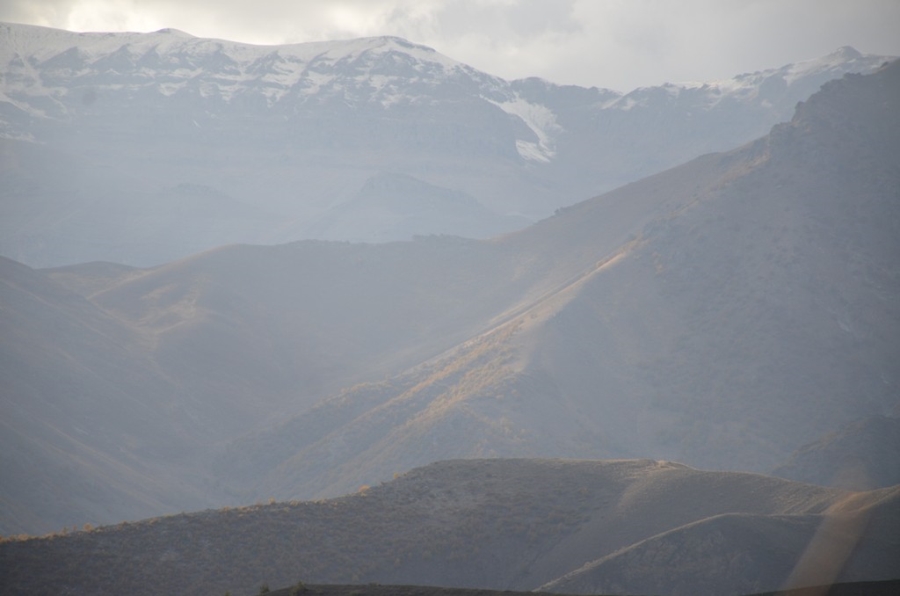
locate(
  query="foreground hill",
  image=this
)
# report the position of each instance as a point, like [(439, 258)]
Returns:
[(885, 588), (142, 148), (499, 524)]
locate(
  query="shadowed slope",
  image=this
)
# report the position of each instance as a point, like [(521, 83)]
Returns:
[(91, 429)]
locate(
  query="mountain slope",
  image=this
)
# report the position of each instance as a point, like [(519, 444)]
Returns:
[(389, 205), (860, 456), (287, 137), (497, 524), (91, 430), (748, 307)]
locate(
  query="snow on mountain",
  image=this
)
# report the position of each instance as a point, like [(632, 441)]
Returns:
[(541, 120), (296, 131), (46, 63), (68, 69), (761, 87)]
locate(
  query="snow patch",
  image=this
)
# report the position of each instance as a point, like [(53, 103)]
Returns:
[(541, 120), (532, 151), (832, 61)]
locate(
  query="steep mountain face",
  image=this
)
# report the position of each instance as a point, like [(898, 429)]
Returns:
[(500, 524), (173, 144), (753, 308)]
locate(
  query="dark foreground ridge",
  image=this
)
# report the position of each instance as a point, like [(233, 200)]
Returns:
[(571, 527), (386, 590), (884, 588)]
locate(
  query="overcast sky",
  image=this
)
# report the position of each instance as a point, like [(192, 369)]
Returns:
[(620, 44)]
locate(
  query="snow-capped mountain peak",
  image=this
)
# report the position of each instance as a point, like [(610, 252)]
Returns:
[(41, 62), (297, 129)]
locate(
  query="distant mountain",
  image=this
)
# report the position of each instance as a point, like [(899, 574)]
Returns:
[(499, 524), (99, 128), (388, 206), (860, 456)]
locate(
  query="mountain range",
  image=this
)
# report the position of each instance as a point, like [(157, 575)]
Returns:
[(500, 412), (723, 313), (141, 148)]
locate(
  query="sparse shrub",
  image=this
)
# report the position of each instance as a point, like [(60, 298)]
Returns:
[(264, 589), (298, 589)]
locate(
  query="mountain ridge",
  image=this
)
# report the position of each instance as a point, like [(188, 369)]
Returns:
[(290, 135)]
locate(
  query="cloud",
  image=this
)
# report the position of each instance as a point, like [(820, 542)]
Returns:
[(611, 43)]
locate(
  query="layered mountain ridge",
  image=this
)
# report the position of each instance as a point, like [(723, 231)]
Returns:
[(723, 313), (725, 326), (102, 133)]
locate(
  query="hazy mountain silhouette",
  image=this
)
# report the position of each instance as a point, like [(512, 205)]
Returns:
[(388, 206)]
